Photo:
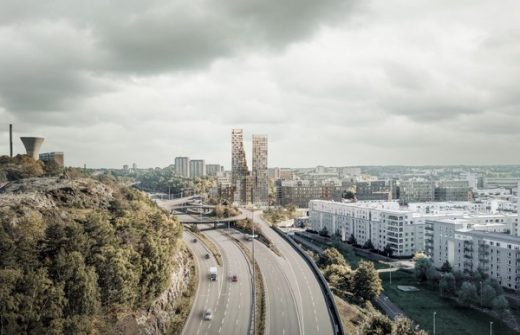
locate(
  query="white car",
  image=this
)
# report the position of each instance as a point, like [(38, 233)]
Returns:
[(208, 315)]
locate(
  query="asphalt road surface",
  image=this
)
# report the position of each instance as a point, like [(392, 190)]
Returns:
[(291, 273), (229, 301)]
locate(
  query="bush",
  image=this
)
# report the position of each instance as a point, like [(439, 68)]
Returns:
[(467, 294), (422, 266), (377, 324), (447, 284)]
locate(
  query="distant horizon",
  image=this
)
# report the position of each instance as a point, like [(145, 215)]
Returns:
[(378, 82)]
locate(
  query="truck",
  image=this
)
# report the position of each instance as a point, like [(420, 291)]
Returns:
[(213, 273)]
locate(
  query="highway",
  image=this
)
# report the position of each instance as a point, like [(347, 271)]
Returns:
[(308, 301), (229, 301)]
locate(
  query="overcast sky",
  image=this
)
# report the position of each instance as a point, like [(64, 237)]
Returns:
[(330, 82)]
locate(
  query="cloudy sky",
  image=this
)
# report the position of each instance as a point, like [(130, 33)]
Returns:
[(330, 82)]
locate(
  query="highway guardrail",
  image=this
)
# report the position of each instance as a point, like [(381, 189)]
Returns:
[(329, 298)]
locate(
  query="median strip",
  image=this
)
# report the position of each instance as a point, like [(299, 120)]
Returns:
[(209, 245)]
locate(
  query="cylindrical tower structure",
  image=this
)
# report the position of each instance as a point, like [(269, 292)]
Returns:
[(11, 140), (32, 146)]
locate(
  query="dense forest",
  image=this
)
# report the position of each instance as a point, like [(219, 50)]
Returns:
[(77, 252)]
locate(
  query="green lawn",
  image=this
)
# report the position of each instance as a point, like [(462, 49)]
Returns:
[(451, 319)]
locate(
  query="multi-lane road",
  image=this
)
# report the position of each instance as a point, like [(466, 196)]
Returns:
[(295, 303), (290, 273), (230, 302)]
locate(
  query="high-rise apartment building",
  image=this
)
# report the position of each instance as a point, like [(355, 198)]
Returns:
[(249, 187), (239, 170), (260, 183), (182, 167), (197, 168)]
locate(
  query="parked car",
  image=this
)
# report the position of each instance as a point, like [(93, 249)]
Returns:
[(208, 315)]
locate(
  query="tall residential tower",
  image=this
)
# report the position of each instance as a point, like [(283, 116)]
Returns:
[(260, 182)]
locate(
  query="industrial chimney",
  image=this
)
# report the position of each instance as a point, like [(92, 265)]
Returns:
[(32, 146), (11, 140)]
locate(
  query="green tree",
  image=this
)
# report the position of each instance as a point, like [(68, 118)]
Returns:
[(10, 298), (331, 256), (324, 231), (377, 324), (352, 239), (366, 284), (368, 245), (41, 304), (447, 285), (488, 295), (500, 304), (388, 250), (446, 267), (339, 276), (433, 276), (422, 266), (467, 294), (80, 283), (405, 326)]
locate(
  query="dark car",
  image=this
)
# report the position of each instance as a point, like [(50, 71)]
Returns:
[(207, 256), (234, 278), (194, 240)]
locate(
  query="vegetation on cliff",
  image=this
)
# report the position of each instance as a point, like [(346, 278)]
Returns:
[(77, 252)]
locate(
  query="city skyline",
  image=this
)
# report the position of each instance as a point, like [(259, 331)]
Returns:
[(349, 82)]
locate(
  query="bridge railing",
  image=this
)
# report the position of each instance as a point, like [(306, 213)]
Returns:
[(329, 298)]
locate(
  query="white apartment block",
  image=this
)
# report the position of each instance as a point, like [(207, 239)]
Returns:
[(384, 223)]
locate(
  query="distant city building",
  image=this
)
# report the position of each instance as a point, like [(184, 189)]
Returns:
[(57, 157), (197, 168), (182, 167), (300, 192), (260, 182), (508, 183), (274, 173), (376, 190), (32, 146), (416, 191), (214, 170), (453, 190), (125, 167), (134, 166)]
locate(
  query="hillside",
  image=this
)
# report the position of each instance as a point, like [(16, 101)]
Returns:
[(85, 256)]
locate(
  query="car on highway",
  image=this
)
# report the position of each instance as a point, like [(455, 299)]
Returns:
[(208, 314), (234, 278), (194, 240), (207, 256)]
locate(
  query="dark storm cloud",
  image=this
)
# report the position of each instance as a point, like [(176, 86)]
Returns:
[(43, 69)]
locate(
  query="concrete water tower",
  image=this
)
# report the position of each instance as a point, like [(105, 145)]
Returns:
[(32, 146)]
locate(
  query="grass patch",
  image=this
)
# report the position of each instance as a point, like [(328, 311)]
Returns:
[(352, 316), (183, 308), (450, 319)]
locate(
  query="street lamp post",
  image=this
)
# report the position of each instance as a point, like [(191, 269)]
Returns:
[(390, 277), (481, 293), (434, 314), (254, 277), (490, 327)]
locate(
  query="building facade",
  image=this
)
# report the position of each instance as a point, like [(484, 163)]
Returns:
[(182, 167), (383, 223), (260, 181), (197, 168), (239, 170), (57, 157), (214, 170)]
